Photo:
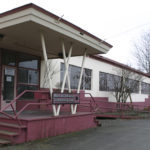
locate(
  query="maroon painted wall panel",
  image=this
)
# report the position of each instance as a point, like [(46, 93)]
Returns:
[(58, 125), (21, 103)]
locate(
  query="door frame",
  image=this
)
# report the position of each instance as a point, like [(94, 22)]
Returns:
[(3, 102)]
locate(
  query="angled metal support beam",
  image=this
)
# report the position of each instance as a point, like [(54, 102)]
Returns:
[(56, 110), (46, 62), (81, 73), (74, 107), (48, 71), (66, 74), (66, 62)]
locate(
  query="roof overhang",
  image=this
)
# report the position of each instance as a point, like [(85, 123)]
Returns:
[(20, 31)]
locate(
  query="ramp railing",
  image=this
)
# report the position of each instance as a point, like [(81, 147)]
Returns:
[(114, 108)]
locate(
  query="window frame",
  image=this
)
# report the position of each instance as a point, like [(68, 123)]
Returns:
[(70, 65), (38, 70), (15, 53), (110, 89), (145, 92)]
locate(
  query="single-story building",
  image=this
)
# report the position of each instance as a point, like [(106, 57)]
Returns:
[(29, 35), (96, 77), (45, 62)]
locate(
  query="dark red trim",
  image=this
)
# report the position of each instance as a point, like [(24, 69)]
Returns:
[(55, 17), (29, 84), (28, 68), (115, 63)]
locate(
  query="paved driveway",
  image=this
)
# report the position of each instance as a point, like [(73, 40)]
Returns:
[(115, 135)]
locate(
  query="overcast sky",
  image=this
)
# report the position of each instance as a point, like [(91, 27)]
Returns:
[(119, 22)]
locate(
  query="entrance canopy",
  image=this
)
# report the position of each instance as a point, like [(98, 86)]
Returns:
[(20, 30)]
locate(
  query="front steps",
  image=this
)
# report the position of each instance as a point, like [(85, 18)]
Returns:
[(11, 132), (4, 142)]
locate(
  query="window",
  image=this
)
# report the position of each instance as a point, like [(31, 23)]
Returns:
[(9, 59), (74, 74), (110, 82), (27, 76), (27, 67), (103, 81), (145, 88), (86, 79), (27, 61), (133, 85)]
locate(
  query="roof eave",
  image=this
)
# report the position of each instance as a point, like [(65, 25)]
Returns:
[(31, 5), (115, 63)]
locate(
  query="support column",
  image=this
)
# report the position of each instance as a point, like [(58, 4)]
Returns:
[(66, 75), (74, 107), (81, 73), (48, 71)]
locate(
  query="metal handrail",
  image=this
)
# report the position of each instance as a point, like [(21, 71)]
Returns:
[(27, 105), (93, 100), (15, 116), (123, 106), (13, 101)]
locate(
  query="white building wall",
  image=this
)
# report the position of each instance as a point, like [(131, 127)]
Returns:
[(96, 66)]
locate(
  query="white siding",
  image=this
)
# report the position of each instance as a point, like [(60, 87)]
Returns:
[(96, 66)]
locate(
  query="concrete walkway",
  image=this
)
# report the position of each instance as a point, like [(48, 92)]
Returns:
[(114, 135)]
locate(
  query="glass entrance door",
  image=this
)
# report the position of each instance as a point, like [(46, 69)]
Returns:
[(9, 85)]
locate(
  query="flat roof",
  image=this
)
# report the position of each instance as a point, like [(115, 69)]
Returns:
[(21, 28)]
